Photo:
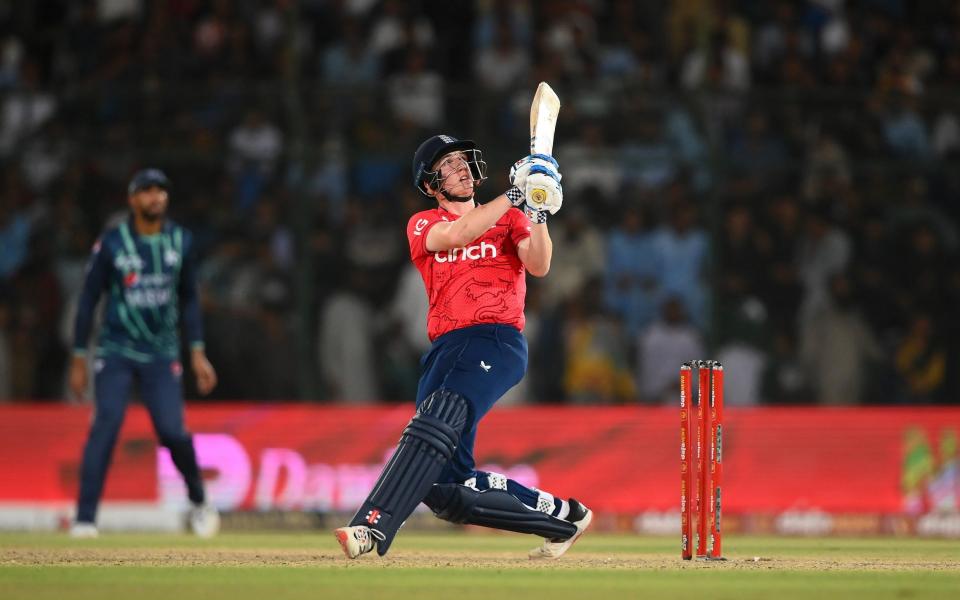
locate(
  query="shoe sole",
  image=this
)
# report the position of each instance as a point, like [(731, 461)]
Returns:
[(586, 520), (341, 536)]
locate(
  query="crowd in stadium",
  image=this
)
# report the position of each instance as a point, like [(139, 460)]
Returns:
[(770, 184)]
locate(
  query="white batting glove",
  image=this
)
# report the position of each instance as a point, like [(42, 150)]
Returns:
[(543, 193), (535, 163)]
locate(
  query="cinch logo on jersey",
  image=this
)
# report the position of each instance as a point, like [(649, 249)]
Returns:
[(475, 252)]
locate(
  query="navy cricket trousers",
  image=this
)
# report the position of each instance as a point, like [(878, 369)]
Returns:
[(162, 393), (481, 363)]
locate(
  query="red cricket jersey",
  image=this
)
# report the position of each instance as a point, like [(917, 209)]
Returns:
[(484, 282)]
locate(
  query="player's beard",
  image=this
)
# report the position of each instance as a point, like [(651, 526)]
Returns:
[(151, 215)]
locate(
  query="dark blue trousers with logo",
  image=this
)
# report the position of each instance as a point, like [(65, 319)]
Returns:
[(481, 363), (162, 393)]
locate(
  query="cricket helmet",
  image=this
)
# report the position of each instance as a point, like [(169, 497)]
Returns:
[(436, 146)]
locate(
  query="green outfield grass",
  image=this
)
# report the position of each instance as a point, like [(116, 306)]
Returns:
[(465, 565)]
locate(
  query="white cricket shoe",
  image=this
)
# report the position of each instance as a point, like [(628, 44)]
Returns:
[(204, 520), (580, 516), (81, 530), (357, 540)]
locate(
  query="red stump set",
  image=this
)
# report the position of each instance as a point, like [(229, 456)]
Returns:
[(701, 459)]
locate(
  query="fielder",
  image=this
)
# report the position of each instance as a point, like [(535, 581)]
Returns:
[(473, 259), (146, 268)]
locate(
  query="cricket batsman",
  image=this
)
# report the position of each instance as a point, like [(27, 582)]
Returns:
[(473, 260), (146, 269)]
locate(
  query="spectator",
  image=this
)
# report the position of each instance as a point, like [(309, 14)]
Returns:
[(408, 310), (744, 352), (649, 159), (11, 57), (25, 109), (721, 61), (921, 361), (774, 35), (16, 227), (345, 342), (502, 13), (739, 267), (826, 160), (416, 92), (778, 240), (824, 251), (503, 65), (682, 247), (758, 148), (872, 275), (838, 346), (590, 163), (46, 157), (688, 145), (350, 62), (945, 138), (578, 256), (665, 344), (634, 270), (905, 131), (785, 380), (255, 148), (324, 178), (598, 369), (398, 29)]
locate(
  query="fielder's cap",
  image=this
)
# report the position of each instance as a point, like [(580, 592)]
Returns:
[(148, 178), (432, 149)]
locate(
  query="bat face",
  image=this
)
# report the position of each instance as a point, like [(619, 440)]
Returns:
[(543, 119)]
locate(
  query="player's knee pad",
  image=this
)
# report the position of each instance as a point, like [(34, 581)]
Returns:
[(439, 422), (493, 508), (427, 444), (452, 502)]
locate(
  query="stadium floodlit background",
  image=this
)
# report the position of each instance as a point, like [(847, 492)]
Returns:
[(771, 184)]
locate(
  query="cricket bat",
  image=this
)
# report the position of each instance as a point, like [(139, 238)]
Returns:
[(543, 119), (543, 124)]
